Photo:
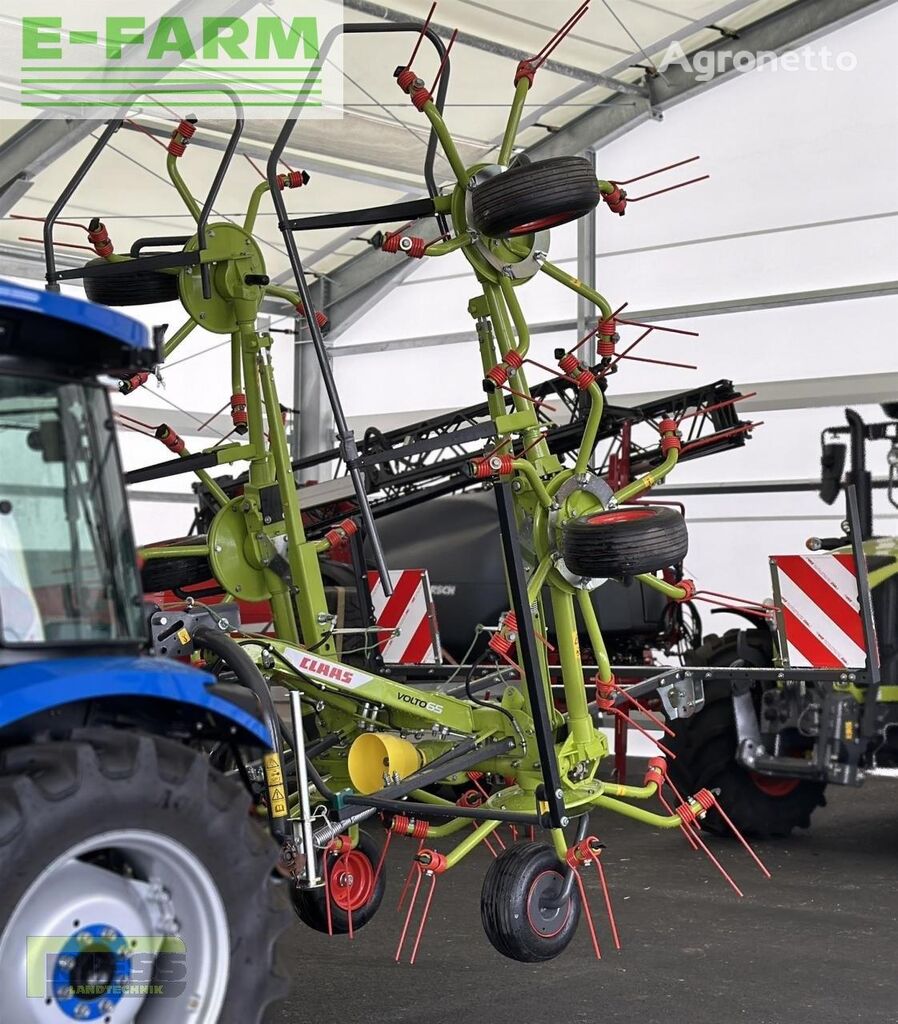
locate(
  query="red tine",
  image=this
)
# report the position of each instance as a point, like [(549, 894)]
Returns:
[(327, 892), (254, 165), (443, 61), (539, 403), (42, 220), (670, 810), (664, 750), (382, 858), (408, 877), (743, 602), (641, 707), (661, 170), (584, 899), (607, 895), (411, 907), (57, 245), (720, 435), (717, 405), (716, 863), (741, 838), (670, 188), (424, 915), (424, 28), (567, 27), (660, 362), (658, 327)]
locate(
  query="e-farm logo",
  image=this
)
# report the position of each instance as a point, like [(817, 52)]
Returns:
[(93, 60)]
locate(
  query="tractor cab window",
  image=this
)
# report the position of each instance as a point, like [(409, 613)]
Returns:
[(67, 573)]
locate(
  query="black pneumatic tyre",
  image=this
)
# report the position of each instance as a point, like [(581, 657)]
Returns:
[(514, 919), (625, 541), (175, 572), (81, 818), (136, 288), (361, 891), (760, 806), (532, 196)]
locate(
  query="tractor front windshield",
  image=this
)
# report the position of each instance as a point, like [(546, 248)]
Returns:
[(67, 569)]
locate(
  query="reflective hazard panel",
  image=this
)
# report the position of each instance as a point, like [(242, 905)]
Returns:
[(818, 611), (409, 633)]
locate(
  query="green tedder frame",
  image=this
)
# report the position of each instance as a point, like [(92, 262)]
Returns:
[(258, 550)]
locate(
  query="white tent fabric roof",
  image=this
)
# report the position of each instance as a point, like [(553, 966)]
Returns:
[(374, 154)]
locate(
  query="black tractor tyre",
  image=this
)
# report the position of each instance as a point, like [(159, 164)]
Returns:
[(890, 409), (705, 746), (516, 921), (56, 797), (177, 571), (135, 288), (624, 542), (529, 197), (311, 904)]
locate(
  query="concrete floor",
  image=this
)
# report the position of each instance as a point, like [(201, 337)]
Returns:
[(812, 946)]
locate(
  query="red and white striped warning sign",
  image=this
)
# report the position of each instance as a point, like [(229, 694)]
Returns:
[(819, 612), (407, 617)]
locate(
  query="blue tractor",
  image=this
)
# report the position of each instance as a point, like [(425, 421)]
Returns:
[(135, 883)]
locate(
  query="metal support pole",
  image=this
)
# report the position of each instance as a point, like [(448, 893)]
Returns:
[(865, 602), (586, 272), (302, 781), (530, 663), (313, 426)]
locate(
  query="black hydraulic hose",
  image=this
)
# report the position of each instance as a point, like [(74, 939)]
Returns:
[(235, 658), (445, 765), (66, 194), (859, 476), (247, 673), (317, 749), (441, 811)]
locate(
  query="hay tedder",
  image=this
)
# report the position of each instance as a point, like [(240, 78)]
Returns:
[(360, 745)]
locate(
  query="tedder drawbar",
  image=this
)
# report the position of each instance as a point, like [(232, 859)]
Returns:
[(361, 745)]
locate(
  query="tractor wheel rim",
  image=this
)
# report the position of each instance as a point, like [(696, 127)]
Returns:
[(623, 516), (352, 881), (774, 787), (127, 925), (545, 920), (531, 227)]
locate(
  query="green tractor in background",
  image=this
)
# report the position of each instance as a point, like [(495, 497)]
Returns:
[(772, 747)]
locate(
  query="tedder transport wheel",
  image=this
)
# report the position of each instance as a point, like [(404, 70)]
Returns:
[(625, 541), (136, 288), (516, 904), (353, 887), (533, 196), (760, 805), (137, 882), (174, 573)]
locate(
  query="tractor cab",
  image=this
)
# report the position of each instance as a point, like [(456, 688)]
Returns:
[(68, 573)]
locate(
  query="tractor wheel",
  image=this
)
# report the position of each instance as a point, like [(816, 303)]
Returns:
[(353, 888), (138, 883), (625, 541), (761, 806), (175, 572), (533, 196), (515, 904), (136, 288)]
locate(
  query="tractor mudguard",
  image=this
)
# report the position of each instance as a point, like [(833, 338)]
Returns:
[(31, 687)]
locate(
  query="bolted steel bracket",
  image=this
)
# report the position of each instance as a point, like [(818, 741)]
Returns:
[(683, 696)]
